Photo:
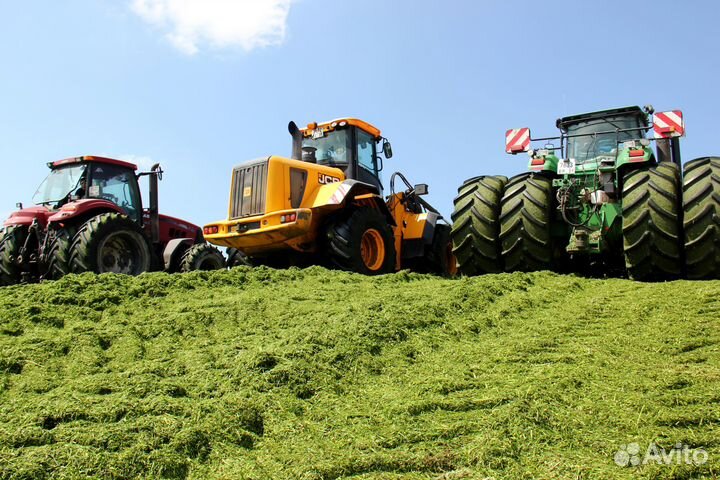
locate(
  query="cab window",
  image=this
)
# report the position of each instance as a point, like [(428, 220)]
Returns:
[(117, 185), (366, 152)]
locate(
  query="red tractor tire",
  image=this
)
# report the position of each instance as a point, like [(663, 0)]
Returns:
[(110, 243), (57, 260), (10, 244)]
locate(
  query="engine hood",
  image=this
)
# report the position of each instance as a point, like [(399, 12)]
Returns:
[(27, 215)]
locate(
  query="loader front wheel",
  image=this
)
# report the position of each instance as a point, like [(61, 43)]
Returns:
[(525, 221), (202, 257), (10, 244), (110, 243), (476, 227), (651, 223), (701, 198), (362, 242)]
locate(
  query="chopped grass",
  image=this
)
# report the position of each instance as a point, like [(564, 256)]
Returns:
[(316, 374)]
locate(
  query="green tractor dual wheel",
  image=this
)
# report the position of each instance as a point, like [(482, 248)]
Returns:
[(476, 225), (651, 224), (701, 200), (525, 223)]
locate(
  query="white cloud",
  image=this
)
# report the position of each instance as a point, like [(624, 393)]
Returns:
[(144, 163), (190, 24)]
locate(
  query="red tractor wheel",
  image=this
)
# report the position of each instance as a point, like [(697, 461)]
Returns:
[(57, 261), (110, 243), (10, 244)]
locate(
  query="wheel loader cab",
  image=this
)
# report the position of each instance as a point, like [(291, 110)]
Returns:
[(347, 144)]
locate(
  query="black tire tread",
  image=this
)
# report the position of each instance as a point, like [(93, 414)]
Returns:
[(88, 236), (195, 256), (343, 240), (475, 229), (10, 244), (701, 224), (525, 221), (651, 222), (57, 262)]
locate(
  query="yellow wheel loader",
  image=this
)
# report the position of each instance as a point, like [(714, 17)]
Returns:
[(325, 205)]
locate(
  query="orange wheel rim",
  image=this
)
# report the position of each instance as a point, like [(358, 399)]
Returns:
[(372, 249), (452, 268)]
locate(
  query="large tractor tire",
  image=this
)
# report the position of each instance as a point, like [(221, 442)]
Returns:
[(652, 223), (525, 221), (110, 243), (476, 227), (701, 199), (57, 263), (362, 242), (202, 257), (10, 244)]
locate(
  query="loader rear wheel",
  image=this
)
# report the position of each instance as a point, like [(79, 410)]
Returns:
[(58, 257), (701, 197), (110, 243), (362, 242), (10, 244), (476, 227), (236, 258), (525, 220), (651, 222), (202, 257), (439, 257)]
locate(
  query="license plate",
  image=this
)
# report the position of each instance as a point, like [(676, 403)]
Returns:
[(566, 167)]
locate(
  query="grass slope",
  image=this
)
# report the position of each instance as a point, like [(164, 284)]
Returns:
[(312, 374)]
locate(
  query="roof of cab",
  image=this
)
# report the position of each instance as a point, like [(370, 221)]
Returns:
[(363, 125), (633, 111), (93, 158)]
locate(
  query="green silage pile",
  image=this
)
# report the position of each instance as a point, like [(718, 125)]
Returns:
[(314, 374)]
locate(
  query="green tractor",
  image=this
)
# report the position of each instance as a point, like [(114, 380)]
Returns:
[(602, 202)]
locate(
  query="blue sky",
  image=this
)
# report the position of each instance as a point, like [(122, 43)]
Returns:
[(200, 86)]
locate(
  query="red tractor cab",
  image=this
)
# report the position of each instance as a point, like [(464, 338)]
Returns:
[(89, 217)]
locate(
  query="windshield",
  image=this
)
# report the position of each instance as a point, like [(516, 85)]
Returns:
[(59, 184), (590, 147), (333, 149)]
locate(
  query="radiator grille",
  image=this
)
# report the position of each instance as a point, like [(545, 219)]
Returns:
[(249, 188)]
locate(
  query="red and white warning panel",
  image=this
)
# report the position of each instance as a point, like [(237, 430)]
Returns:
[(669, 124), (517, 140)]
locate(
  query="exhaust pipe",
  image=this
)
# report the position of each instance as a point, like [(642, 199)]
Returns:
[(155, 175), (297, 141)]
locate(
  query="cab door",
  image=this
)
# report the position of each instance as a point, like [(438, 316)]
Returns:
[(366, 155)]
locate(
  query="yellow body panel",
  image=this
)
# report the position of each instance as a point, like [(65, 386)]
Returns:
[(321, 196)]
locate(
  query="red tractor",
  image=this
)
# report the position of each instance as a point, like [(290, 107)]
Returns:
[(89, 217)]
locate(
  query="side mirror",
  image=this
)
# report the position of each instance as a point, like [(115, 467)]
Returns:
[(387, 149), (517, 140), (421, 189)]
